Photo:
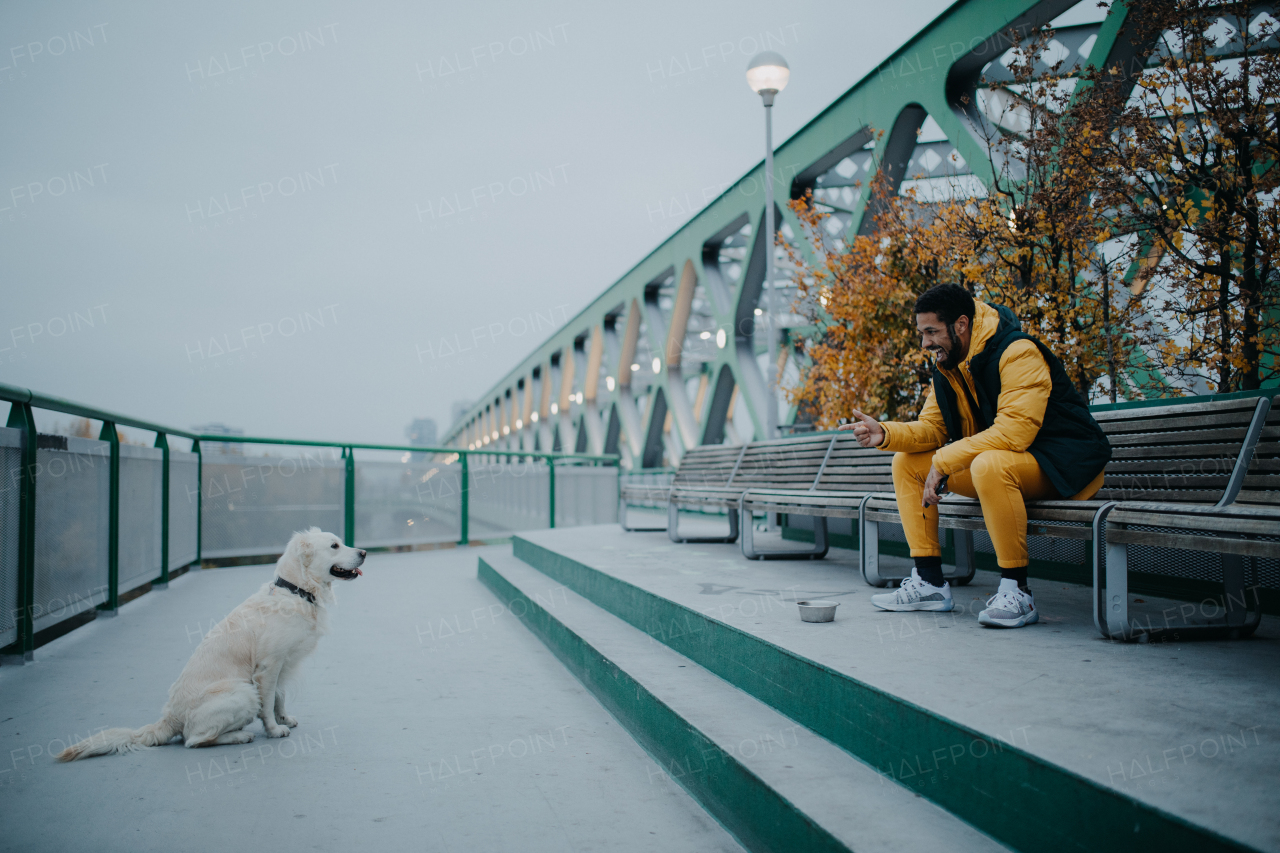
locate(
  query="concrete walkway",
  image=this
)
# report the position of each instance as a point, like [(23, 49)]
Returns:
[(431, 720)]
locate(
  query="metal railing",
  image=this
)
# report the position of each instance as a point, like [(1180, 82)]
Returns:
[(84, 522)]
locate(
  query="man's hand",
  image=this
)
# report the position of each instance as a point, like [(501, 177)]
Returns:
[(934, 487), (867, 430)]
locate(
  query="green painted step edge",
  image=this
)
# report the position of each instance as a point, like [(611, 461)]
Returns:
[(755, 813), (1024, 801)]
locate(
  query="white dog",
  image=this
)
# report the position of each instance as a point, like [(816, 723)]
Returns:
[(239, 670)]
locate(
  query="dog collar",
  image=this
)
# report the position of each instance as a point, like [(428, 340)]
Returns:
[(295, 589)]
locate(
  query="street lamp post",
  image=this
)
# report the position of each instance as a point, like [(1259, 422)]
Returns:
[(767, 75)]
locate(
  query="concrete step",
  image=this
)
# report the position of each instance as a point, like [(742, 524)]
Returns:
[(943, 741), (773, 783)]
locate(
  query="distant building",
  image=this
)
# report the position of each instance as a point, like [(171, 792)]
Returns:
[(458, 410), (219, 446), (422, 433)]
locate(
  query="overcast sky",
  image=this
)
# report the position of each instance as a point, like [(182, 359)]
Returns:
[(254, 213)]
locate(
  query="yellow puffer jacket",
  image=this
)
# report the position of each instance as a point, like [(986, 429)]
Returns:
[(1024, 394)]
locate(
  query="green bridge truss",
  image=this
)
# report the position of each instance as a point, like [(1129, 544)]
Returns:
[(673, 354)]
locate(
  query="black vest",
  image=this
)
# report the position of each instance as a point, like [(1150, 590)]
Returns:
[(1070, 447)]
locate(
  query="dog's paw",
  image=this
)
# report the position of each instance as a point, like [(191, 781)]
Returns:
[(286, 720), (278, 731)]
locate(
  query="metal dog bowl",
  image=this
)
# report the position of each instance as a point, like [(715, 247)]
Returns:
[(818, 611)]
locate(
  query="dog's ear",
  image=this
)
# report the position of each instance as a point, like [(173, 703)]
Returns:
[(306, 549)]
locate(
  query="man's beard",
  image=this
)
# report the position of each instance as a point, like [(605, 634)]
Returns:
[(950, 358)]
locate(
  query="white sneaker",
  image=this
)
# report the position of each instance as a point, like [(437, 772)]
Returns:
[(1010, 607), (915, 594)]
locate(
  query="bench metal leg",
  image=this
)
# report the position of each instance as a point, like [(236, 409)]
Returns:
[(817, 552), (622, 520), (1111, 599), (965, 566), (1242, 620), (673, 527), (1233, 587), (869, 546), (1115, 602), (1104, 559)]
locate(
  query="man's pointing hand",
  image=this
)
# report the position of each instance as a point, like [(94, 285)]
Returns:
[(866, 430)]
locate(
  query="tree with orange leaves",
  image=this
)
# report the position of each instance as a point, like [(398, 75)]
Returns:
[(861, 295), (1031, 242)]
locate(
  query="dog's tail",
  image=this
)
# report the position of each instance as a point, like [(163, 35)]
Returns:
[(110, 741)]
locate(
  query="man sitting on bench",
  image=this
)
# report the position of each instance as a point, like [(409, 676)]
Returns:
[(1003, 424)]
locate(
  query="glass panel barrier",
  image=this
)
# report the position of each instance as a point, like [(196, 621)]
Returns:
[(508, 496), (407, 498), (140, 501), (252, 504), (10, 506), (73, 503), (184, 489), (586, 494)]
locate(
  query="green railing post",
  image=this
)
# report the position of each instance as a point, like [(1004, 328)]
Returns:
[(162, 582), (195, 448), (551, 467), (349, 508), (21, 417), (111, 606), (464, 509)]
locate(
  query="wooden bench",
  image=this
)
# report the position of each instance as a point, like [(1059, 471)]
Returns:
[(848, 474), (779, 463), (706, 466), (1234, 533)]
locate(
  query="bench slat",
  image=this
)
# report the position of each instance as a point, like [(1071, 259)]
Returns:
[(794, 509), (1228, 524), (806, 500), (1159, 495), (1174, 409), (1207, 466), (1251, 496), (1189, 542), (1224, 450), (1141, 481), (1200, 436), (1184, 420)]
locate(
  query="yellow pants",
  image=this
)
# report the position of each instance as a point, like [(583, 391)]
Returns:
[(1001, 480)]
